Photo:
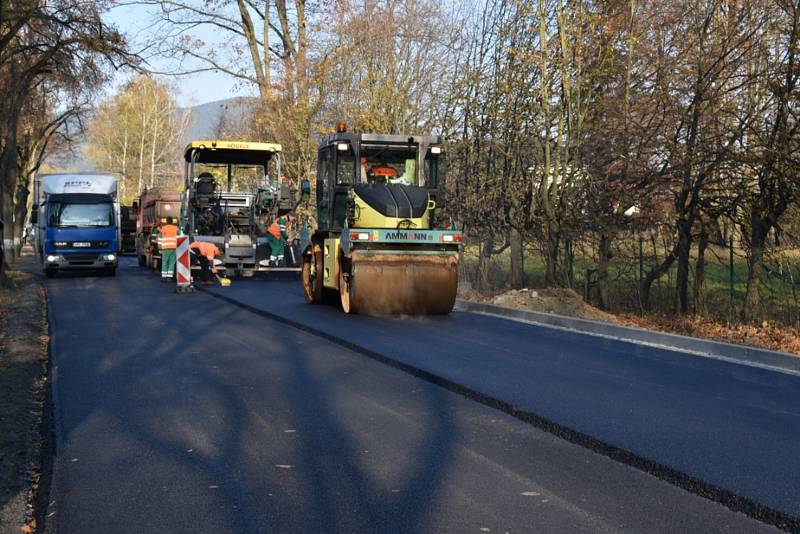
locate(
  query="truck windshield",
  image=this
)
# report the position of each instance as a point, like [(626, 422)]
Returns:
[(64, 214)]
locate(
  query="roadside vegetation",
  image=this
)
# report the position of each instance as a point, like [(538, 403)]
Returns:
[(718, 319), (723, 291)]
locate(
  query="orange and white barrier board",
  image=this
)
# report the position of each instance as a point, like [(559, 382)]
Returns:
[(183, 270)]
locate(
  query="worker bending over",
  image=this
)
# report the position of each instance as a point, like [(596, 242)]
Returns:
[(277, 238), (205, 254), (167, 242)]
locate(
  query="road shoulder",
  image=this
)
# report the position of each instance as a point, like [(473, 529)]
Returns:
[(23, 384)]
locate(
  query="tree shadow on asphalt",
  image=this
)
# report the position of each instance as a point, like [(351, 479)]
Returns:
[(185, 390), (348, 485)]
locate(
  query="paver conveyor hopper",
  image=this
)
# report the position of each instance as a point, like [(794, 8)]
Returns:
[(377, 249)]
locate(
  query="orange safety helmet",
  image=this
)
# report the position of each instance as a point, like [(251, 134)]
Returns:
[(384, 171)]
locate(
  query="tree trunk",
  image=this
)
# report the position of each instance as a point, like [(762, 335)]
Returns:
[(759, 228), (653, 275), (484, 262), (141, 154), (551, 258), (125, 154), (517, 279), (9, 248), (8, 182), (20, 214), (603, 255), (682, 279), (153, 151), (700, 272)]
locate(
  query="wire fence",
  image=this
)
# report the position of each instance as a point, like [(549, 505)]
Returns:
[(721, 296)]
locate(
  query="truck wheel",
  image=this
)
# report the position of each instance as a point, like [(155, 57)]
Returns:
[(49, 273), (111, 271)]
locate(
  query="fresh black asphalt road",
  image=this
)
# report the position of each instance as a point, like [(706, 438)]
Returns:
[(184, 413), (732, 426)]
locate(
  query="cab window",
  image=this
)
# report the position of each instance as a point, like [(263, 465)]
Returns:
[(434, 169), (345, 165), (388, 165), (323, 177)]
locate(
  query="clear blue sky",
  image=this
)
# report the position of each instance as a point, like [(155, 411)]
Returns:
[(194, 89)]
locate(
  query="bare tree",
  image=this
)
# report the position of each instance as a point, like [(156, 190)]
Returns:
[(773, 134), (137, 132), (699, 56), (63, 44)]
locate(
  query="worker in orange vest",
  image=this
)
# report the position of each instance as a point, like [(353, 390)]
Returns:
[(167, 243), (205, 254), (277, 238)]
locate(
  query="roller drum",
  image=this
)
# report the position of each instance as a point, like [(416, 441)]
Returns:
[(389, 284)]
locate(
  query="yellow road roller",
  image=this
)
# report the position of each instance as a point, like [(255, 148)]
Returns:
[(376, 249)]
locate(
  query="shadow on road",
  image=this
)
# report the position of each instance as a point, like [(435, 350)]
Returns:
[(183, 414)]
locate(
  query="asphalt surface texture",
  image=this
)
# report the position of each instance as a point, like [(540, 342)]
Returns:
[(732, 426), (185, 413)]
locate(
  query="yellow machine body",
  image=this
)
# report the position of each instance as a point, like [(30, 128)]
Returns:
[(331, 252), (368, 217)]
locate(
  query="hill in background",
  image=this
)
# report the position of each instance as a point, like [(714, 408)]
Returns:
[(218, 119)]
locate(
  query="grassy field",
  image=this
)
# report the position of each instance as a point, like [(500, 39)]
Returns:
[(780, 282)]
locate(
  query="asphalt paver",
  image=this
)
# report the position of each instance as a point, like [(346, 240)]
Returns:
[(184, 413)]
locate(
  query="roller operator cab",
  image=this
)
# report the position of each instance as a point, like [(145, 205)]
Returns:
[(378, 248), (78, 221), (233, 192)]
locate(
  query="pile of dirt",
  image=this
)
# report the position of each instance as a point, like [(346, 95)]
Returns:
[(23, 362), (557, 301)]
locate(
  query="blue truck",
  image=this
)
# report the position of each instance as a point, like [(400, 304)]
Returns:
[(78, 222)]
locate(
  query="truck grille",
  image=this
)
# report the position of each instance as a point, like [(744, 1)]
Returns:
[(80, 259), (92, 244)]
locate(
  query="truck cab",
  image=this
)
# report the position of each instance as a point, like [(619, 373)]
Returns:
[(78, 222)]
